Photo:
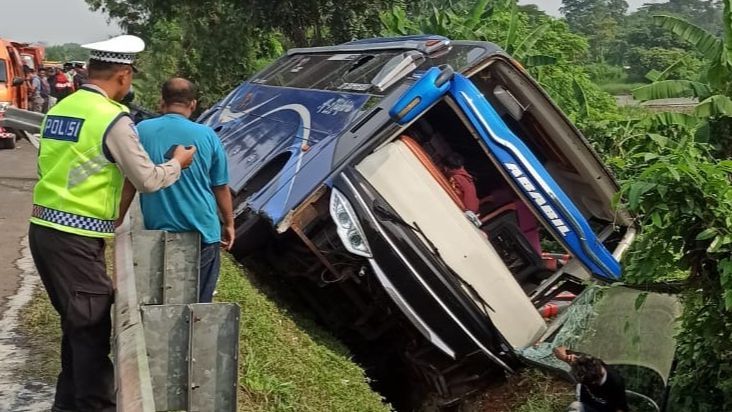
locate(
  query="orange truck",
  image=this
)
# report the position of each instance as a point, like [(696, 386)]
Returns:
[(13, 88)]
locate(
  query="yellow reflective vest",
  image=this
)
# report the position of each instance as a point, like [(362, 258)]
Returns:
[(79, 188)]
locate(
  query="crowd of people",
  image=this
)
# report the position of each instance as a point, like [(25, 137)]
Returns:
[(49, 85)]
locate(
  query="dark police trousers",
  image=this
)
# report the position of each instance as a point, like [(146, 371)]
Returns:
[(73, 272)]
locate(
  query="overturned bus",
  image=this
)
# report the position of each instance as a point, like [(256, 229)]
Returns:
[(340, 168)]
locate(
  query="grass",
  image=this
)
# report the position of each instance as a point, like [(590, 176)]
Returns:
[(39, 323), (546, 394), (284, 365), (620, 88), (527, 391), (289, 366), (41, 328)]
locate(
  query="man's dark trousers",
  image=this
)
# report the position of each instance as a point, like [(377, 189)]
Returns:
[(72, 269), (210, 267)]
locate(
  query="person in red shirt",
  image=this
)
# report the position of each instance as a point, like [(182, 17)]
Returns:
[(461, 181), (63, 86)]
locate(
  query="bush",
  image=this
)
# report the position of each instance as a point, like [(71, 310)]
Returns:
[(644, 60), (601, 73)]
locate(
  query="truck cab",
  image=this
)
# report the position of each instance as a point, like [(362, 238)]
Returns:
[(13, 89)]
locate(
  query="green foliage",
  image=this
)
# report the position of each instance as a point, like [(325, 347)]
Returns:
[(583, 15), (712, 87), (544, 45), (66, 52), (289, 363), (580, 98), (602, 73), (670, 89), (703, 41), (706, 14), (620, 88), (599, 20), (676, 63), (219, 43), (638, 31), (683, 200)]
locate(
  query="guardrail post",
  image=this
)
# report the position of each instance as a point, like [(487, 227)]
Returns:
[(134, 386)]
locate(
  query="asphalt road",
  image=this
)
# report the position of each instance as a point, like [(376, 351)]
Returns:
[(17, 177), (18, 280)]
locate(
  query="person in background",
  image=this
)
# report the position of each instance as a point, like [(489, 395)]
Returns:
[(62, 87), (599, 387), (45, 89), (192, 203), (51, 72), (462, 182), (80, 77), (35, 101), (69, 72)]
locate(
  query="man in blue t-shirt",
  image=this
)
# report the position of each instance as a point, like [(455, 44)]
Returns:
[(191, 204)]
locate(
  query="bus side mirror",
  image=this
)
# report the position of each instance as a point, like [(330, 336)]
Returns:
[(423, 94), (17, 81)]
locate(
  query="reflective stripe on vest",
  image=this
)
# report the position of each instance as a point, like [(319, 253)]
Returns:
[(78, 189), (73, 221)]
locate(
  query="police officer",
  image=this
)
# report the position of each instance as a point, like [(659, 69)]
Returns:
[(88, 146)]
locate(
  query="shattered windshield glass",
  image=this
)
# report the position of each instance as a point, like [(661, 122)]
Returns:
[(354, 72), (607, 322)]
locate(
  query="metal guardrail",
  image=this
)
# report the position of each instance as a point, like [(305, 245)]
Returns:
[(187, 357), (22, 120), (172, 353), (132, 371)]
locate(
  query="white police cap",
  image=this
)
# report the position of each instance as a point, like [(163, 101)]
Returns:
[(120, 49)]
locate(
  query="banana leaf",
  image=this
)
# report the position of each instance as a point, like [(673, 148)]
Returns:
[(671, 89), (706, 43)]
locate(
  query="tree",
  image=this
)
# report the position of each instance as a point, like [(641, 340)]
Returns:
[(639, 31), (303, 23), (681, 197), (712, 87), (600, 21), (66, 52), (583, 15), (544, 45), (704, 13), (218, 43), (676, 63)]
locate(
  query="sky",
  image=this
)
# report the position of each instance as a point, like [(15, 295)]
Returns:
[(53, 22), (552, 6), (47, 21)]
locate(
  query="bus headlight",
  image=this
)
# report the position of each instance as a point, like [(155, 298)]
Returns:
[(348, 228)]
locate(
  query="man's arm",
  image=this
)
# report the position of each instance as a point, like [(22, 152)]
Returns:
[(223, 200), (123, 144), (564, 355), (128, 193), (35, 84)]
